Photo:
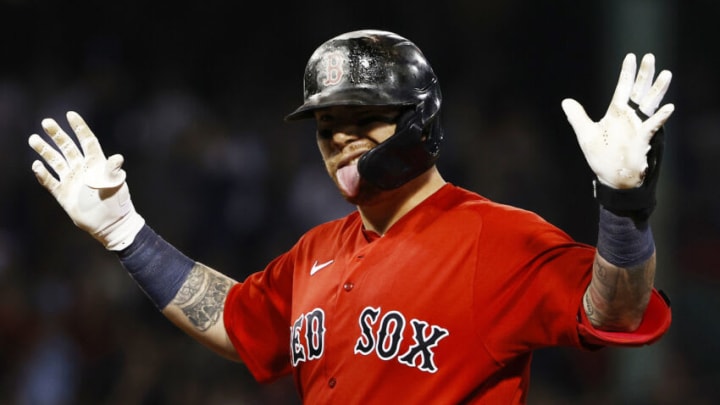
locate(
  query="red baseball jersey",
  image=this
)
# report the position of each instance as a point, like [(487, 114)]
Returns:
[(445, 308)]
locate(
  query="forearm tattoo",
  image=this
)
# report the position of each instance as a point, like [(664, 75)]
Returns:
[(616, 294), (202, 297), (605, 281), (589, 308)]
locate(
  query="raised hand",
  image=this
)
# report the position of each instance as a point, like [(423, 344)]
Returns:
[(89, 187), (616, 147)]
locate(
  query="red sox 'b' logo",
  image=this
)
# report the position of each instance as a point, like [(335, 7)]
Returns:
[(379, 335), (333, 63)]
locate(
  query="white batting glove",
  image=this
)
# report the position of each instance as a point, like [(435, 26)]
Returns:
[(616, 146), (89, 187)]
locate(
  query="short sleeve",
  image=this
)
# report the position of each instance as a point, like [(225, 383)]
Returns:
[(256, 316)]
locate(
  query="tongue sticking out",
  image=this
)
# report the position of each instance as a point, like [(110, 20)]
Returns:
[(349, 179)]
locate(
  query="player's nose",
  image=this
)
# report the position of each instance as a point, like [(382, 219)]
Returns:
[(345, 135)]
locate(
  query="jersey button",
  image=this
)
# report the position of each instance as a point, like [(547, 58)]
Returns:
[(348, 286), (332, 382)]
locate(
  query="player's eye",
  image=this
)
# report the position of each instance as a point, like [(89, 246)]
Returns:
[(376, 119), (324, 133)]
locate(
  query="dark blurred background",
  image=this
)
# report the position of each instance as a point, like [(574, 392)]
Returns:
[(193, 94)]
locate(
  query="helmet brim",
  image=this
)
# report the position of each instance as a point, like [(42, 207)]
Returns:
[(349, 97)]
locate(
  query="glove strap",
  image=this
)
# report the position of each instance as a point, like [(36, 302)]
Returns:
[(635, 106)]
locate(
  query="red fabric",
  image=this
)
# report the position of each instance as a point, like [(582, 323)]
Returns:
[(446, 307), (655, 323)]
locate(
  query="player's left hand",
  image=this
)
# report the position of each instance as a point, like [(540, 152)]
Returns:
[(616, 146)]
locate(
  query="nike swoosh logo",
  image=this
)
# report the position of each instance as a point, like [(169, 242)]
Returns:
[(317, 267)]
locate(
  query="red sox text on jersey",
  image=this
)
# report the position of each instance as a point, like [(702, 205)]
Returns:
[(379, 334)]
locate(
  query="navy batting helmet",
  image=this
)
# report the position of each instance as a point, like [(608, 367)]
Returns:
[(379, 68)]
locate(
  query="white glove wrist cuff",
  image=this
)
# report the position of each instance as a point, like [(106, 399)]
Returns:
[(122, 233)]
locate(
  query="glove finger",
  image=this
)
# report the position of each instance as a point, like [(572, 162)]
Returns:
[(112, 176), (62, 140), (88, 141), (52, 157), (625, 81), (654, 96), (657, 120), (577, 117), (44, 177), (644, 78)]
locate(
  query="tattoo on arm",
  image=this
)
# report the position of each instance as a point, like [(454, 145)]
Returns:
[(617, 297), (607, 282), (202, 297), (589, 308)]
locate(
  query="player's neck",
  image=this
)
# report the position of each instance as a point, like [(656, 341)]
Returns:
[(381, 215)]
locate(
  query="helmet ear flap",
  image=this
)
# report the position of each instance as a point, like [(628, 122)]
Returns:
[(429, 111), (410, 121), (435, 135), (404, 155)]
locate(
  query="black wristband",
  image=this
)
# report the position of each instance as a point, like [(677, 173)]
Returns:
[(156, 266), (622, 241)]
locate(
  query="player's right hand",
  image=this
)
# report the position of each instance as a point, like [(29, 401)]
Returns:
[(89, 187)]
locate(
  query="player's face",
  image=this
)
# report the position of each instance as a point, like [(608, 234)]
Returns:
[(344, 133)]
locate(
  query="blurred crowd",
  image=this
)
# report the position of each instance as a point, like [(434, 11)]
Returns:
[(194, 96)]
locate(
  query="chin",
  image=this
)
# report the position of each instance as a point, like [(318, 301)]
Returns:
[(367, 195)]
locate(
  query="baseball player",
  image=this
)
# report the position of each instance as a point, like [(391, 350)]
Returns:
[(427, 293)]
